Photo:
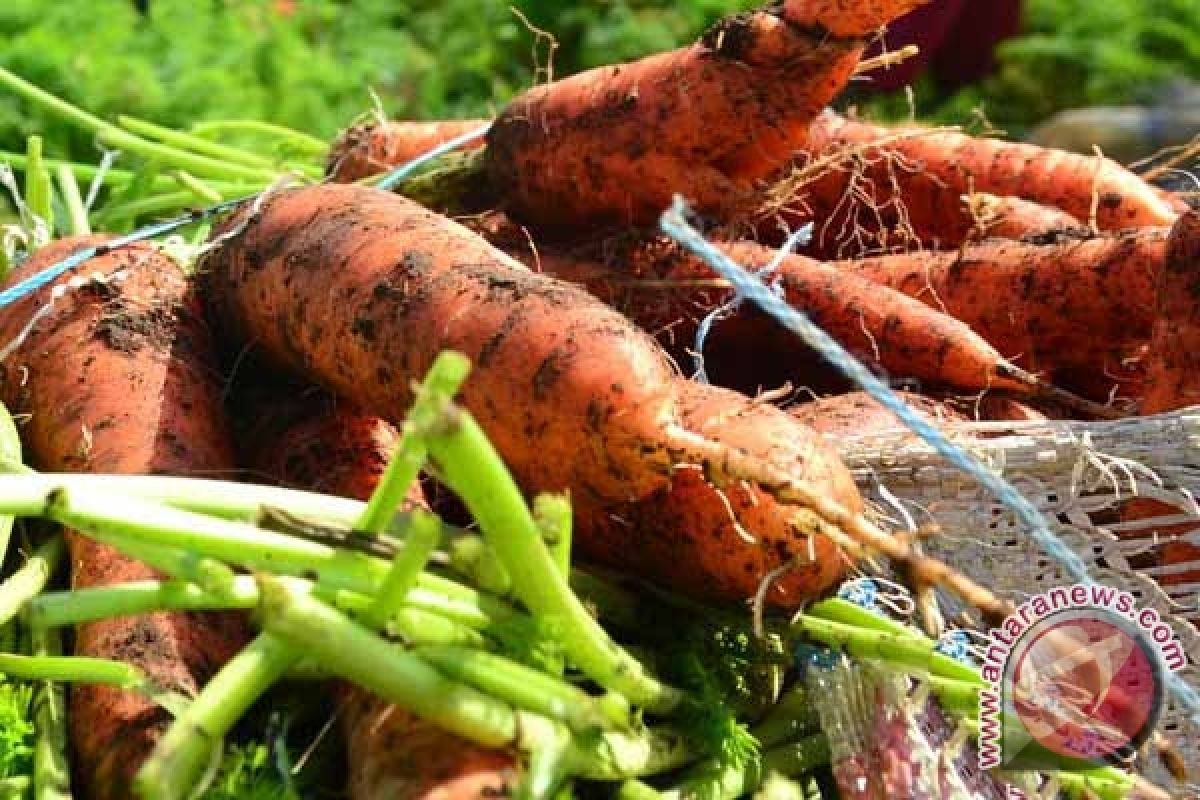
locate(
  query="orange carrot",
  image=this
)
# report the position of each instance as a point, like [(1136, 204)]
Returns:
[(857, 413), (361, 289), (613, 145), (119, 377), (668, 292), (376, 146), (318, 445), (1174, 381), (898, 180), (1079, 309)]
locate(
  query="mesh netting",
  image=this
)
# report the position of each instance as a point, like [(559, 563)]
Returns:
[(1079, 475)]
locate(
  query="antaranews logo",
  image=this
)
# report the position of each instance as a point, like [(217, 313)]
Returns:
[(1076, 677)]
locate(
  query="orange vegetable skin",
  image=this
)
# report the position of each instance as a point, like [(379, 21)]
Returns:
[(391, 754), (1174, 368), (119, 378), (613, 145), (373, 147), (1074, 307), (685, 535), (361, 290), (661, 288)]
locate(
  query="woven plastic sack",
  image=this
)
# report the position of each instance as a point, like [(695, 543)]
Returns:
[(1078, 475)]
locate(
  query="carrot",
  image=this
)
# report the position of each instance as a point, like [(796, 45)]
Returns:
[(1173, 360), (707, 541), (857, 413), (360, 290), (1079, 309), (668, 292), (314, 444), (854, 172), (118, 377), (376, 146), (613, 145)]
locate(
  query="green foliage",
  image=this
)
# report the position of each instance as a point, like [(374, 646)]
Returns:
[(1074, 53), (248, 773), (310, 65), (16, 730)]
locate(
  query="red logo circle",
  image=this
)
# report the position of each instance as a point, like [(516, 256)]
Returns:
[(1086, 684)]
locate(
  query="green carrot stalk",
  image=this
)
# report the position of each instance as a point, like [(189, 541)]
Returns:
[(77, 214), (28, 581), (198, 188), (51, 770), (301, 142), (468, 464), (957, 697), (523, 687), (355, 653), (896, 648), (553, 516), (207, 573), (427, 616), (406, 569), (191, 142), (39, 192), (837, 609), (442, 382), (472, 558), (180, 755), (715, 781), (113, 176), (794, 715), (114, 136), (73, 669)]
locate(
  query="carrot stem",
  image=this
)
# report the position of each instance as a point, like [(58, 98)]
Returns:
[(28, 581), (471, 467), (523, 687), (72, 669), (114, 136), (51, 769), (191, 142), (299, 140), (77, 215), (406, 569), (180, 755), (198, 188), (441, 383), (39, 193), (355, 653), (10, 453), (837, 609), (553, 516)]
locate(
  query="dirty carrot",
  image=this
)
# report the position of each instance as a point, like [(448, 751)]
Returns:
[(571, 394), (375, 146), (614, 144), (117, 377), (851, 171)]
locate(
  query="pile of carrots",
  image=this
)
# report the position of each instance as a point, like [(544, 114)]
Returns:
[(991, 279)]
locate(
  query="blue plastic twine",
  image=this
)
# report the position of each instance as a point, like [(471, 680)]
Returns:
[(797, 239), (389, 181), (34, 282), (750, 287)]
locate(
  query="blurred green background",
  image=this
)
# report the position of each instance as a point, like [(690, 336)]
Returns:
[(311, 64)]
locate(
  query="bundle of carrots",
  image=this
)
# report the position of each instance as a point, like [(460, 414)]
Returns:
[(1056, 284)]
